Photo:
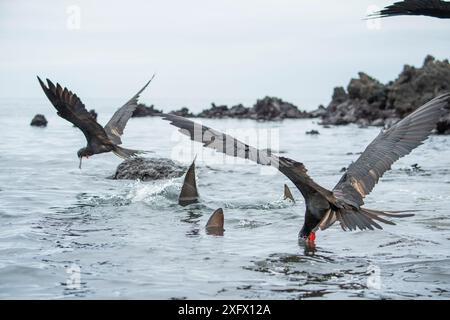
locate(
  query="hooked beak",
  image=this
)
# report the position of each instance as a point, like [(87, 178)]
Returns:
[(81, 159)]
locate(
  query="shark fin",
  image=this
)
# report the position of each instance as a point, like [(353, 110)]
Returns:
[(215, 223), (189, 193)]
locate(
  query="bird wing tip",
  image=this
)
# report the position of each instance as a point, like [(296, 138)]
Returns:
[(41, 82)]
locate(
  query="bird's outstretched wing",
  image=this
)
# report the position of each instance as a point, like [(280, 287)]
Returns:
[(433, 8), (219, 141), (115, 126), (228, 145), (70, 107), (389, 146)]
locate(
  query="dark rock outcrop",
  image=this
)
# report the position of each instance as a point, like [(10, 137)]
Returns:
[(364, 103), (147, 169), (369, 102), (268, 108), (313, 132), (319, 112), (39, 121), (183, 112), (416, 86), (271, 108), (146, 111), (214, 112), (239, 111)]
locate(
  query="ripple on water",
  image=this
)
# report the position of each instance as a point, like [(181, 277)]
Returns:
[(131, 239), (311, 276)]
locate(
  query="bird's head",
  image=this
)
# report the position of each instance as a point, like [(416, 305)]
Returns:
[(307, 241), (84, 152), (307, 233), (310, 237)]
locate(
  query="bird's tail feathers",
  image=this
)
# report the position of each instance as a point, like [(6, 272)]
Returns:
[(351, 219), (125, 153)]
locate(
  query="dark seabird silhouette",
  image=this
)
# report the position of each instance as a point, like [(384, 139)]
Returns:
[(432, 8), (288, 193), (214, 226), (344, 203), (189, 193), (99, 139)]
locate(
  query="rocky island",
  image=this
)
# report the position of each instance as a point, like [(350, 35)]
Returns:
[(365, 102)]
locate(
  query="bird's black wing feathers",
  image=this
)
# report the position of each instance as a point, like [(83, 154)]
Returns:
[(70, 107), (226, 144), (219, 141), (433, 8), (390, 145), (115, 126)]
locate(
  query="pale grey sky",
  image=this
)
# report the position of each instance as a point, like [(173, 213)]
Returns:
[(225, 51)]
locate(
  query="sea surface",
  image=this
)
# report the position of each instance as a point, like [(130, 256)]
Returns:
[(67, 233)]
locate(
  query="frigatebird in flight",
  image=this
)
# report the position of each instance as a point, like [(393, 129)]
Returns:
[(432, 8), (345, 202), (99, 139)]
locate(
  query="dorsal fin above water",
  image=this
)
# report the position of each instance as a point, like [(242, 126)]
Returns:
[(214, 226), (288, 193), (189, 193)]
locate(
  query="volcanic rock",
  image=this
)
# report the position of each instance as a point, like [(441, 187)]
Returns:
[(39, 121), (147, 169), (146, 111)]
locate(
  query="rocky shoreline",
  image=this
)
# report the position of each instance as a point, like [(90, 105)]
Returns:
[(365, 102), (267, 109), (368, 102)]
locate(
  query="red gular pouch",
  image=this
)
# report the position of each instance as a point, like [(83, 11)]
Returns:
[(312, 237)]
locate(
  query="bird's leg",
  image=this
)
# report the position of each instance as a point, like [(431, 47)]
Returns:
[(81, 159)]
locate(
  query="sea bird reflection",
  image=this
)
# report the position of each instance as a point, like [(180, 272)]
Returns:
[(99, 139), (344, 203)]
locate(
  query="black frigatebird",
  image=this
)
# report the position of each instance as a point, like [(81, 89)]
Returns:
[(432, 8), (99, 139), (345, 202)]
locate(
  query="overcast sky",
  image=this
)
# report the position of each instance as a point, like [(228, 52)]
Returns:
[(225, 51)]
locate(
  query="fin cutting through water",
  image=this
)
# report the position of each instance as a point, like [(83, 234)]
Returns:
[(189, 193), (288, 193), (214, 226)]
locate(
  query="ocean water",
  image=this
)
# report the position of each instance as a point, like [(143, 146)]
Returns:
[(67, 233)]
